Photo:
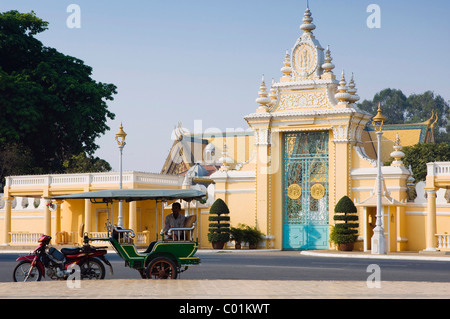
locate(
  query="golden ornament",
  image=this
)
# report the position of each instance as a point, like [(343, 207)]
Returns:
[(317, 191), (294, 191)]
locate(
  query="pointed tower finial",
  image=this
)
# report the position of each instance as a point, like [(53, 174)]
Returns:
[(307, 25), (273, 94), (352, 91), (397, 154), (342, 95), (286, 69), (262, 100), (328, 66), (225, 160)]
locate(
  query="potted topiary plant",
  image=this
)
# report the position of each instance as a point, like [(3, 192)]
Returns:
[(344, 232), (252, 236), (237, 234), (219, 229)]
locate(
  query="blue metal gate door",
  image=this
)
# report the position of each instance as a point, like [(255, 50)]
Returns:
[(305, 190)]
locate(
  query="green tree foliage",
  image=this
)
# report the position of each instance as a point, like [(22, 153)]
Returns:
[(399, 109), (345, 205), (15, 158), (393, 104), (219, 229), (51, 108), (83, 164), (419, 155), (345, 230)]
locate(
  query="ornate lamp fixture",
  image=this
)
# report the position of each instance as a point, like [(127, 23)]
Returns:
[(120, 139), (379, 244), (378, 120), (120, 136)]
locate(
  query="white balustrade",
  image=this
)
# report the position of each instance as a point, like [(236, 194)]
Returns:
[(438, 169), (92, 179), (24, 237), (98, 235), (443, 241), (141, 239)]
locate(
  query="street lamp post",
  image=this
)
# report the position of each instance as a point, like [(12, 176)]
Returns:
[(379, 245), (120, 138)]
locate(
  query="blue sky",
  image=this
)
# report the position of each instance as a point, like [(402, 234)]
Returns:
[(182, 61)]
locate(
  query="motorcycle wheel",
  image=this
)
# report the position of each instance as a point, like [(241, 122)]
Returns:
[(92, 269), (22, 269)]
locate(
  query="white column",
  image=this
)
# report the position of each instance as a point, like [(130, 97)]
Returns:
[(7, 221), (431, 220), (47, 218)]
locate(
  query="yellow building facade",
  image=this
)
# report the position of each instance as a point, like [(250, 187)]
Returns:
[(307, 145)]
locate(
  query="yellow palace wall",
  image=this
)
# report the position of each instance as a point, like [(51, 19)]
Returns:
[(237, 189), (416, 218), (68, 217), (73, 215), (405, 221)]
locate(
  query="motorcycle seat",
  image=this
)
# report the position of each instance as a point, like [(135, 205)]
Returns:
[(70, 251)]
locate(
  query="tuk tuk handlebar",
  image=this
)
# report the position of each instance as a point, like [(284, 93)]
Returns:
[(123, 230)]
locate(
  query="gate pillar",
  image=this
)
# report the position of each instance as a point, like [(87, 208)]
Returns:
[(263, 179)]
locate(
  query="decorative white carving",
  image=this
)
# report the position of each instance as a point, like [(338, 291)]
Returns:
[(263, 137), (344, 133), (303, 100), (340, 133), (304, 59)]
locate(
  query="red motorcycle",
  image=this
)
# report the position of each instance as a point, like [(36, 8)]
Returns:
[(60, 265)]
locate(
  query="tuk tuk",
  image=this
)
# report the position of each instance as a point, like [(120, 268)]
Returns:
[(165, 257)]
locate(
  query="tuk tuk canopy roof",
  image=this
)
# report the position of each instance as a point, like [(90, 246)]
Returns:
[(130, 195)]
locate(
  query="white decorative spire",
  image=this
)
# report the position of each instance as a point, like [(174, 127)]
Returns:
[(342, 94), (262, 100), (225, 160), (273, 94), (352, 91), (286, 69), (397, 154), (307, 25), (328, 66)]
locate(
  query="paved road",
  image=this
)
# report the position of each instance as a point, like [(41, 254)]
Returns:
[(293, 266), (282, 265)]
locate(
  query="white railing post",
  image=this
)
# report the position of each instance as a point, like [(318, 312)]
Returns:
[(24, 237), (438, 169), (443, 241)]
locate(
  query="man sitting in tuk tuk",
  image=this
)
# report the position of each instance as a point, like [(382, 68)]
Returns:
[(174, 220)]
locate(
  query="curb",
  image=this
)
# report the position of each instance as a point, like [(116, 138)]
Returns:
[(311, 253), (233, 251), (368, 256)]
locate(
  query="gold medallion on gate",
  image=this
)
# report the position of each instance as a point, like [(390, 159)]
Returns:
[(294, 191), (317, 191)]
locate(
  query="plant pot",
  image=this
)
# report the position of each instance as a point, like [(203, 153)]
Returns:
[(252, 246), (237, 246), (218, 244), (346, 247)]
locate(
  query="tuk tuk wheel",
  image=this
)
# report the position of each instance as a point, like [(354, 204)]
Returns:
[(161, 268)]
